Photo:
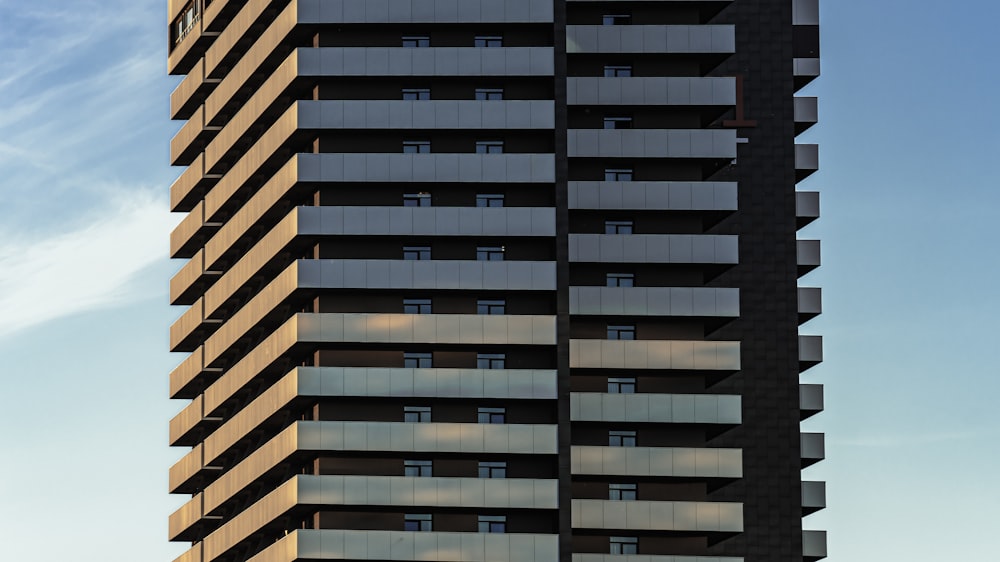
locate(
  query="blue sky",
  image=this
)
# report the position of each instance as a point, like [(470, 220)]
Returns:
[(908, 134)]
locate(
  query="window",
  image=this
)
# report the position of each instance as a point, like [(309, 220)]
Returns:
[(492, 523), (618, 227), (621, 331), (417, 414), (489, 94), (489, 200), (418, 468), (417, 360), (416, 306), (185, 22), (489, 147), (416, 147), (621, 280), (618, 122), (414, 41), (618, 174), (422, 199), (489, 253), (622, 492), (616, 19), (491, 360), (621, 385), (491, 306), (488, 41), (621, 439), (416, 252), (617, 71), (414, 94), (492, 415), (493, 469), (417, 522), (624, 545)]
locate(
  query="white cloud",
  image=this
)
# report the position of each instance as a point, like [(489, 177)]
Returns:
[(83, 268)]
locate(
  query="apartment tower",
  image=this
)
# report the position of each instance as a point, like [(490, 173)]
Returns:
[(494, 280)]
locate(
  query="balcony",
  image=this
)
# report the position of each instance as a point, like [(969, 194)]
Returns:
[(810, 352), (813, 447), (638, 515), (810, 303), (332, 544), (655, 354), (712, 197), (712, 409), (652, 143), (698, 302), (651, 39), (813, 497), (652, 90), (707, 249), (806, 207), (806, 160), (804, 71), (810, 400), (806, 113), (807, 255), (677, 462), (813, 545)]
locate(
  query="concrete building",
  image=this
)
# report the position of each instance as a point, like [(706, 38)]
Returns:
[(494, 280)]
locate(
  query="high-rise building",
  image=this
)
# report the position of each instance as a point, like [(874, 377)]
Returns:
[(494, 280)]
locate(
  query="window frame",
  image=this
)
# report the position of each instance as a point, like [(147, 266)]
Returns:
[(618, 491), (489, 94), (416, 253), (490, 253), (617, 122), (618, 279), (421, 94), (421, 468), (417, 306), (619, 174), (618, 71), (621, 385), (421, 198), (491, 415), (487, 41), (493, 469), (486, 200), (622, 438), (491, 360), (625, 545), (418, 522), (418, 41), (621, 332), (418, 360), (416, 414), (619, 227), (493, 524), (491, 307), (493, 146), (421, 146)]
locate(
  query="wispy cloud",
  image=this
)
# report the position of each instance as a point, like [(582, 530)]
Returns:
[(86, 267)]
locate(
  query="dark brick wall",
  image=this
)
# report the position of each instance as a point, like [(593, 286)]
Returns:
[(766, 276)]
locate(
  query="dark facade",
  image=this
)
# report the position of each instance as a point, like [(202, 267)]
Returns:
[(494, 280)]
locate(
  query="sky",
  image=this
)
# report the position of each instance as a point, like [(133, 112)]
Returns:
[(908, 142)]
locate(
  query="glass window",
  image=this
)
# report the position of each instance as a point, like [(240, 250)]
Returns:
[(417, 414), (416, 306), (422, 199), (618, 227), (489, 253), (488, 41), (489, 94), (492, 469), (616, 19), (621, 439), (621, 385), (618, 122), (416, 146), (492, 523), (621, 280), (418, 468), (491, 306), (621, 331), (417, 360), (618, 174), (491, 360), (617, 71), (492, 415), (621, 492), (416, 252), (417, 522), (416, 94), (489, 147), (489, 200), (413, 41), (624, 545)]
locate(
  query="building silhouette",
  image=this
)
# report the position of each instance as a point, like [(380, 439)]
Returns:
[(494, 280)]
